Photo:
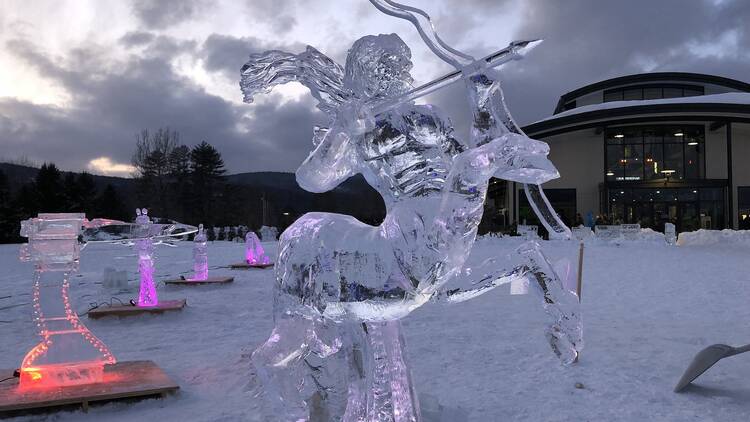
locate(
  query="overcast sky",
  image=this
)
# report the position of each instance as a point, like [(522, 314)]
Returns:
[(79, 78)]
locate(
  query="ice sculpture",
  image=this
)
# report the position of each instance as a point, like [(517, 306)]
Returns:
[(254, 253), (341, 285), (68, 353), (269, 234), (200, 255), (145, 248)]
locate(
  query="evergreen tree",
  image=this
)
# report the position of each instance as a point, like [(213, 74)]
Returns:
[(8, 216), (49, 189), (109, 205), (70, 193), (87, 192), (208, 182), (210, 234), (221, 234)]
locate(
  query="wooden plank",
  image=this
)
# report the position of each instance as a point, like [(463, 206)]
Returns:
[(246, 266), (209, 280), (121, 381), (129, 310)]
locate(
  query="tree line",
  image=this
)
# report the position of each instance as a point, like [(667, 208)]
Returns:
[(51, 191)]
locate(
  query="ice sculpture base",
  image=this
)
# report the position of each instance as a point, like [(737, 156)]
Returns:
[(61, 375), (209, 280), (129, 310), (247, 265), (122, 380)]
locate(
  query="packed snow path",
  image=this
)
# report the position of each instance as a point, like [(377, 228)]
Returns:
[(647, 310)]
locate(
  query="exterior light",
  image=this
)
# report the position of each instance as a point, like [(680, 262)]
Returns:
[(693, 143), (285, 213), (668, 172), (695, 191), (678, 134), (658, 191), (622, 192), (610, 173), (619, 135)]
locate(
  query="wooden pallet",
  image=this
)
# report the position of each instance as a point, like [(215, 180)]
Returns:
[(246, 266), (209, 280), (122, 380), (129, 310)]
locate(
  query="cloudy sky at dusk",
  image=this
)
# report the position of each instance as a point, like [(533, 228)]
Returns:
[(79, 78)]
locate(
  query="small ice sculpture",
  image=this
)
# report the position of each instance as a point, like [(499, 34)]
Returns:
[(68, 353), (145, 248), (200, 255), (342, 285), (254, 253), (669, 234), (269, 234)]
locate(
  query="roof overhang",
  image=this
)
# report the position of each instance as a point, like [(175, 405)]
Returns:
[(640, 113)]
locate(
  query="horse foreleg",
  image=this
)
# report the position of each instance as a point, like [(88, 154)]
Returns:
[(278, 363)]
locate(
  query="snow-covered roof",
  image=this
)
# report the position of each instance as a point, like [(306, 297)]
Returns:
[(727, 98)]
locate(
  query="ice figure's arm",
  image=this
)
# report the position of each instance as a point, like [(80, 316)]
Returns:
[(486, 284), (313, 69), (330, 163)]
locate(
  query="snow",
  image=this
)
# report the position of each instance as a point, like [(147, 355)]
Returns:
[(648, 308), (711, 237), (726, 98)]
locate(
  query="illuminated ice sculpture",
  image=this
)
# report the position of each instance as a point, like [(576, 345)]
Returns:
[(254, 252), (336, 351), (69, 354), (200, 255)]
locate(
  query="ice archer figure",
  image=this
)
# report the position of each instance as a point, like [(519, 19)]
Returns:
[(341, 285)]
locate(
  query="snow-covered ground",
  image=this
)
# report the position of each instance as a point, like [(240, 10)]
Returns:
[(648, 309)]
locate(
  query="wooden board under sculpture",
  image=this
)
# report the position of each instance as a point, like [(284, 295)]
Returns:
[(122, 380), (209, 280), (130, 310)]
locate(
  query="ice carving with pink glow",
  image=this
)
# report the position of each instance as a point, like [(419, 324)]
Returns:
[(200, 255), (69, 354), (254, 252), (336, 352), (145, 248)]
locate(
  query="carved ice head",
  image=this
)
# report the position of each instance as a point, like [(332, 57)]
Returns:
[(378, 66)]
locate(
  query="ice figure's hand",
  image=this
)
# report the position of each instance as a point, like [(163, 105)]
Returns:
[(564, 330)]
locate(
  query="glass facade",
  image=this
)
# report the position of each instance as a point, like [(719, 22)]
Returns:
[(687, 208), (652, 92), (655, 152)]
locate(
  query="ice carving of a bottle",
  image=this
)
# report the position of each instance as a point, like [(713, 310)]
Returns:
[(254, 253), (200, 256), (69, 354), (145, 248)]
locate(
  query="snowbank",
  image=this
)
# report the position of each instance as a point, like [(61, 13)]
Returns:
[(712, 237)]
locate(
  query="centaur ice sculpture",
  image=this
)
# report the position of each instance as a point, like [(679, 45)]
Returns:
[(336, 351)]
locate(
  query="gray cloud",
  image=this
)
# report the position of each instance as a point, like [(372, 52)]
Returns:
[(160, 14), (586, 41), (145, 92)]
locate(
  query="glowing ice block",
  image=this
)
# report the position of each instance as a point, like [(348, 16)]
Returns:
[(200, 255), (68, 354), (254, 253)]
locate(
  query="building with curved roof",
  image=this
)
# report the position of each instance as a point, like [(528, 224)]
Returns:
[(649, 148)]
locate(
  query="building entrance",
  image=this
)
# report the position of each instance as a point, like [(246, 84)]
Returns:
[(687, 208)]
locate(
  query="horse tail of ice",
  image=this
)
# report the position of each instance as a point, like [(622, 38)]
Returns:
[(313, 69)]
